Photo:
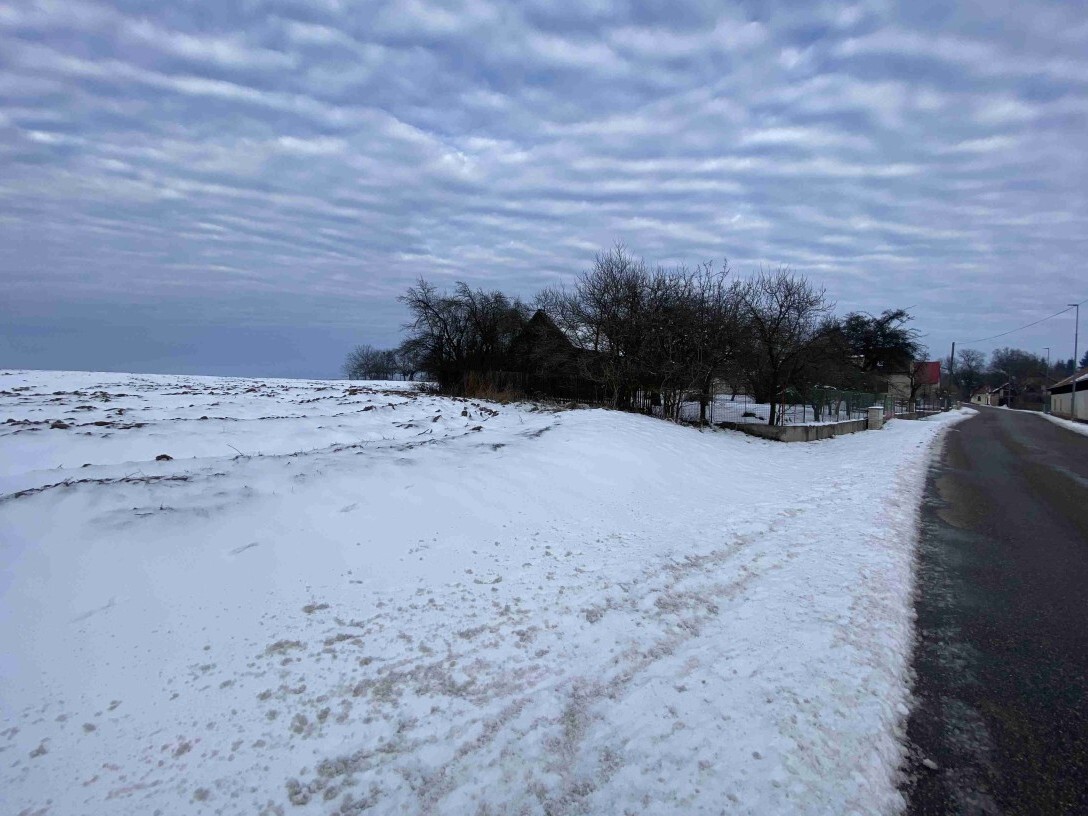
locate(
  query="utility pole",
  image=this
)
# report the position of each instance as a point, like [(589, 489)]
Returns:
[(1046, 383), (1076, 360), (952, 369), (1076, 337)]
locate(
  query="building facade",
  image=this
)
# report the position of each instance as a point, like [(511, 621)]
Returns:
[(1069, 397)]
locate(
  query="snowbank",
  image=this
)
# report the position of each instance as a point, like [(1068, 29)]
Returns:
[(1068, 424), (334, 598)]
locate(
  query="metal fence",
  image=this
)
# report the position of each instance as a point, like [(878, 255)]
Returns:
[(816, 407), (819, 406)]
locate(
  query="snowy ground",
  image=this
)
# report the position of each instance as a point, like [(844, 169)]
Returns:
[(342, 599)]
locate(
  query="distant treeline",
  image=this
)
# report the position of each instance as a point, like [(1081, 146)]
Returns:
[(631, 336), (1022, 370)]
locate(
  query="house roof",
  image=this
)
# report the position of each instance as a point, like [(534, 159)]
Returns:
[(541, 339), (1077, 377), (928, 372)]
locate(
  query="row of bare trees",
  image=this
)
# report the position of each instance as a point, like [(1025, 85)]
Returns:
[(369, 363), (662, 332), (1022, 369), (643, 336)]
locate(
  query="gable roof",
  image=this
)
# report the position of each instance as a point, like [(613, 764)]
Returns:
[(1080, 378), (928, 372), (542, 329)]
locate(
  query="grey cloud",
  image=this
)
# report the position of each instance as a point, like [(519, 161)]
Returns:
[(297, 164)]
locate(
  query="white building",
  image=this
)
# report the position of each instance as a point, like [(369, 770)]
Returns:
[(985, 395), (1069, 397)]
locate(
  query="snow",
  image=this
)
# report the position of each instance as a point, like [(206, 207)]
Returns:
[(403, 603), (1068, 424)]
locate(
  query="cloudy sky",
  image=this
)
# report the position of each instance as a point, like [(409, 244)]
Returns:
[(245, 187)]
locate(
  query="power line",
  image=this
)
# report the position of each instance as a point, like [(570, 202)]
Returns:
[(1021, 328)]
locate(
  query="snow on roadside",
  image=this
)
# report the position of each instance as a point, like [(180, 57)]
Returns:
[(1068, 424), (439, 606)]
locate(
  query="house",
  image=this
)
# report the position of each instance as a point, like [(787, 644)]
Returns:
[(1029, 393), (546, 363), (981, 395), (923, 378), (542, 349), (1069, 397), (985, 395)]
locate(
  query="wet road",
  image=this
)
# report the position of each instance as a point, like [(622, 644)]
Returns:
[(1002, 656)]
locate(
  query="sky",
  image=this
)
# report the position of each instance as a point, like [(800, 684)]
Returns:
[(246, 187)]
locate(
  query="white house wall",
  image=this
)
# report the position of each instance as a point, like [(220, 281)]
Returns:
[(1064, 405)]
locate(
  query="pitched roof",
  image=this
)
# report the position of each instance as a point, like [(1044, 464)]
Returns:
[(928, 372), (1076, 376)]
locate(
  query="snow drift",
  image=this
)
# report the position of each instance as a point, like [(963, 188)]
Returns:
[(336, 598)]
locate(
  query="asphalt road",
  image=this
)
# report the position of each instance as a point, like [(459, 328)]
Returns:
[(1001, 660)]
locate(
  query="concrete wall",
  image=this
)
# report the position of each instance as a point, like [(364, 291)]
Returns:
[(917, 414), (799, 433)]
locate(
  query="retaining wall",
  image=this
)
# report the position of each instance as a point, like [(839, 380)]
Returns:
[(799, 433)]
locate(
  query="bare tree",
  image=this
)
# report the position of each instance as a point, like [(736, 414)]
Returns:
[(715, 337), (650, 339), (405, 363), (917, 374), (369, 363), (451, 335), (970, 366), (1016, 365), (651, 336), (606, 314), (786, 317)]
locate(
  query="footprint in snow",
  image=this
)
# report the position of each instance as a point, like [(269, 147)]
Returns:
[(86, 615)]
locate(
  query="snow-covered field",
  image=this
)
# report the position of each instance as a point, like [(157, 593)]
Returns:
[(340, 599)]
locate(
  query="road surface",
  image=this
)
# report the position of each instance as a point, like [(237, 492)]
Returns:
[(1002, 655)]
